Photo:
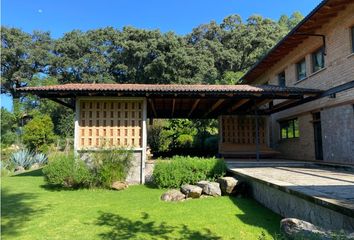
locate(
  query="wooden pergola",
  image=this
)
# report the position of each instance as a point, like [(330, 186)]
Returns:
[(118, 112), (185, 101)]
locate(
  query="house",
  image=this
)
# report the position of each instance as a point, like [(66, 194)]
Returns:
[(318, 53), (304, 112)]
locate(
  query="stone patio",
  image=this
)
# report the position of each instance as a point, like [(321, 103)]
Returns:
[(319, 193)]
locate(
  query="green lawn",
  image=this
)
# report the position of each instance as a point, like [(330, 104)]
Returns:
[(30, 210)]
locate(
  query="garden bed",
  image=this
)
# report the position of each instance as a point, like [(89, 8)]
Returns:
[(31, 210)]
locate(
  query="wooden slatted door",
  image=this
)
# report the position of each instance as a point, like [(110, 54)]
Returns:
[(242, 130)]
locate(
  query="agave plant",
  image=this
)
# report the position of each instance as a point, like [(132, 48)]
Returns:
[(23, 158), (40, 158)]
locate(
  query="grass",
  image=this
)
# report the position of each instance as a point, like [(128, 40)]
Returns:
[(31, 210)]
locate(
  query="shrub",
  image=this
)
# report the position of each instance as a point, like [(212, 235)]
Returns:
[(184, 141), (158, 138), (111, 166), (67, 171), (38, 133), (187, 170)]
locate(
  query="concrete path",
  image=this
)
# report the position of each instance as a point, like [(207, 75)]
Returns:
[(327, 185)]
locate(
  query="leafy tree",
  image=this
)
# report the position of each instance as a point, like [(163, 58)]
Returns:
[(8, 124), (38, 133)]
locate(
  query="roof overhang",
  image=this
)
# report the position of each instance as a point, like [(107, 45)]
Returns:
[(308, 27), (182, 101)]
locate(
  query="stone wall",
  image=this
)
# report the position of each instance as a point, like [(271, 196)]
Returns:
[(291, 206), (136, 174), (338, 133)]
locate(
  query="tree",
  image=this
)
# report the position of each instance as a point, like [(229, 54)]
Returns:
[(38, 133), (8, 123)]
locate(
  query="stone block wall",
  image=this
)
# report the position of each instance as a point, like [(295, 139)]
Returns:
[(291, 206), (338, 134)]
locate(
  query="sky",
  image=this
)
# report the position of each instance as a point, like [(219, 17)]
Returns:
[(179, 16)]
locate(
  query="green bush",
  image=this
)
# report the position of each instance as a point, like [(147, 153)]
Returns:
[(187, 170), (68, 172), (184, 141), (111, 166), (38, 133)]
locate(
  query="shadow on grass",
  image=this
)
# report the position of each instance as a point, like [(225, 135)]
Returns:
[(16, 210), (124, 228), (33, 173), (259, 216)]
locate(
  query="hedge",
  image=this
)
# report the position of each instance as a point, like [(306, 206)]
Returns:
[(180, 170)]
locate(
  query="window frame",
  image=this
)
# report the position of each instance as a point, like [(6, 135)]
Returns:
[(313, 58), (281, 79), (298, 64), (291, 127)]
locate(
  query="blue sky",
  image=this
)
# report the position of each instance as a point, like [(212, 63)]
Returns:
[(180, 16)]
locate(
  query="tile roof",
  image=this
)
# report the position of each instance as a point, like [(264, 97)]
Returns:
[(163, 88)]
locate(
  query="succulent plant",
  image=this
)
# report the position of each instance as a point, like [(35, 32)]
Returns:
[(23, 158), (40, 158)]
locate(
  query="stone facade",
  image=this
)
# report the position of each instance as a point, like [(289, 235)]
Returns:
[(339, 69), (338, 133)]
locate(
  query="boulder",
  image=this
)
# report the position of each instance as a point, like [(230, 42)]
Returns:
[(172, 196), (227, 185), (19, 169), (210, 188), (191, 191), (118, 185), (35, 166), (293, 228)]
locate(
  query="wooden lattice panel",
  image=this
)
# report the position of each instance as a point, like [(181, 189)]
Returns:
[(110, 123), (242, 130)]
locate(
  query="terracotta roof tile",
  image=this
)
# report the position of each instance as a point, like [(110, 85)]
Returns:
[(164, 88)]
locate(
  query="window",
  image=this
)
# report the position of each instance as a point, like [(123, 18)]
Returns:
[(352, 31), (318, 60), (281, 79), (301, 69), (289, 129)]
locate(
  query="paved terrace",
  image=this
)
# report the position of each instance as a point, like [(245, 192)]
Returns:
[(329, 186)]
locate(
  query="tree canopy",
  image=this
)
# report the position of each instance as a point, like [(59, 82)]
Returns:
[(213, 53)]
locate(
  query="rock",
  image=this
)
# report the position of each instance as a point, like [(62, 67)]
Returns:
[(210, 188), (119, 185), (35, 166), (172, 196), (19, 169), (227, 185), (293, 228), (191, 191)]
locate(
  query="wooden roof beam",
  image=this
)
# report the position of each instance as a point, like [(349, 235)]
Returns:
[(70, 104), (237, 105), (260, 103), (214, 106), (195, 104)]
